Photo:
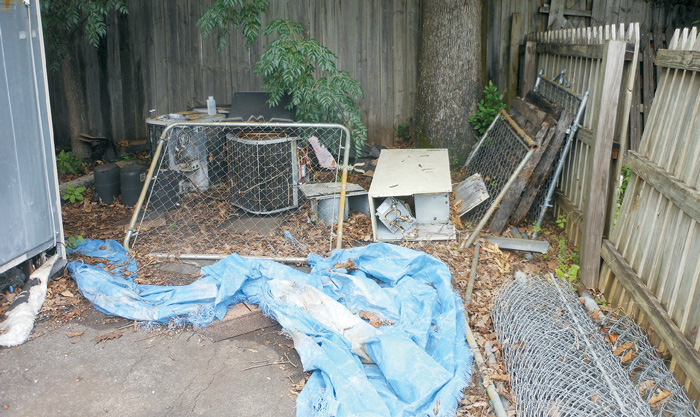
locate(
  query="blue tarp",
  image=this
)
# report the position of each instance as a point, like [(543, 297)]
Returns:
[(416, 364)]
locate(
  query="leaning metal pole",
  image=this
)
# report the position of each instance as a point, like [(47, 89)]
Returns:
[(560, 165)]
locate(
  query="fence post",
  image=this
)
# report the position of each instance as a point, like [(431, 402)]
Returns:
[(529, 68), (605, 117)]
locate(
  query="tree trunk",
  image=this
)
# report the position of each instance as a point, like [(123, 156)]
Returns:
[(76, 106), (449, 74)]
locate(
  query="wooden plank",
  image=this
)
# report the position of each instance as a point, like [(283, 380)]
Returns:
[(514, 59), (539, 246), (556, 18), (586, 136), (677, 343), (567, 12), (529, 68), (683, 196), (635, 136), (605, 118), (528, 116), (544, 168), (512, 197), (575, 51), (685, 60)]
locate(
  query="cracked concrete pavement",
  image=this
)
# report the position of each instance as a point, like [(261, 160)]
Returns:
[(146, 373)]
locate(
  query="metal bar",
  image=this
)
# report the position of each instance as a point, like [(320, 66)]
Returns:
[(472, 275), (481, 365), (560, 165), (217, 257), (497, 201), (144, 190), (343, 190)]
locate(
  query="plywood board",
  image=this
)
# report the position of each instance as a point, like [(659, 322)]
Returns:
[(403, 172)]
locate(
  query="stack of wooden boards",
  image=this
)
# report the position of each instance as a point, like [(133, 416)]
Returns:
[(548, 124)]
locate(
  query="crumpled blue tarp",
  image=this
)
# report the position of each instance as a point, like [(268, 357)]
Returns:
[(421, 362)]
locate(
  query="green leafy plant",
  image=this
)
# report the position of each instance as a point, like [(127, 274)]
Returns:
[(403, 132), (487, 109), (569, 273), (536, 228), (73, 194), (306, 71), (72, 241), (223, 15), (68, 162), (561, 221), (62, 19)]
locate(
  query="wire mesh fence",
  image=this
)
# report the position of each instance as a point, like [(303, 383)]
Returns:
[(558, 362), (218, 188), (496, 157), (646, 369), (557, 92)]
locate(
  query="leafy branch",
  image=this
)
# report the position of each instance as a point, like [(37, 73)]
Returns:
[(224, 15), (306, 70)]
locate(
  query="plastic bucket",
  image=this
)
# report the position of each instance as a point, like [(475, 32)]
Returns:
[(132, 180), (107, 183)]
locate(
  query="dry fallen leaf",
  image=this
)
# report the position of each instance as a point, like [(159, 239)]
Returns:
[(629, 356), (349, 266), (67, 293), (623, 347), (646, 386), (373, 319), (116, 334), (74, 334), (660, 396), (612, 338)]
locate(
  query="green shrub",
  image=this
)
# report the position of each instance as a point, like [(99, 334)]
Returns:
[(487, 109), (68, 162), (73, 194), (306, 70)]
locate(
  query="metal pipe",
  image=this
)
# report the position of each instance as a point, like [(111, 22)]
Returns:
[(343, 189), (218, 257), (144, 190), (480, 365), (497, 201), (560, 165), (472, 275)]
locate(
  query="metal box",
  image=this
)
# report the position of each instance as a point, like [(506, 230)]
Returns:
[(29, 200), (417, 178)]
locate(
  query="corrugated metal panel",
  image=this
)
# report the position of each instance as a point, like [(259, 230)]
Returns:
[(30, 213)]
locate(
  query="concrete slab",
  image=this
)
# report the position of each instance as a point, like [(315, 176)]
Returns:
[(147, 373)]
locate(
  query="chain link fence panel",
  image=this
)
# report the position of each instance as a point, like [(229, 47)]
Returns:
[(225, 187), (496, 157)]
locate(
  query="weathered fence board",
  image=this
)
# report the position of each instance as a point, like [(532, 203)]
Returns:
[(652, 267), (155, 58)]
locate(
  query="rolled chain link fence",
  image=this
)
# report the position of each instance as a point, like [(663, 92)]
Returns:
[(558, 362), (219, 188), (647, 370)]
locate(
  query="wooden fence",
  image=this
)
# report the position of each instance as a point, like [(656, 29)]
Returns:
[(155, 58), (509, 22), (602, 61), (651, 262)]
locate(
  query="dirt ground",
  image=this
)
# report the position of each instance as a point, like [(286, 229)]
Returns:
[(88, 219)]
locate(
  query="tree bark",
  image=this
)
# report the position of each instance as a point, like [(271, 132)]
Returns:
[(449, 74), (76, 106)]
